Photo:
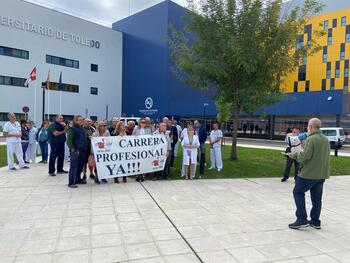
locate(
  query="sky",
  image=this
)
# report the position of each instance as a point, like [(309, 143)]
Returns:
[(103, 12)]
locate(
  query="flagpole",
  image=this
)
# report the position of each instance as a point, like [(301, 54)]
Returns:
[(35, 103), (48, 104), (60, 102)]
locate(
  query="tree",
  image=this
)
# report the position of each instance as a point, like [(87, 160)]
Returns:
[(240, 48)]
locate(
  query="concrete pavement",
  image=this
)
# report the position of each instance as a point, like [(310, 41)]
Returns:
[(41, 220)]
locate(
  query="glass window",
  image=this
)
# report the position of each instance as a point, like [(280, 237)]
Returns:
[(302, 73), (307, 86), (17, 53), (14, 52), (324, 83), (7, 81), (325, 25), (94, 67), (330, 36), (300, 41), (325, 52), (347, 33), (62, 61), (296, 86), (2, 51), (346, 83), (343, 21), (332, 84), (334, 22), (93, 91)]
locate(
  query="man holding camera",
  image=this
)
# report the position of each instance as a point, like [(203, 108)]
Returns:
[(314, 169)]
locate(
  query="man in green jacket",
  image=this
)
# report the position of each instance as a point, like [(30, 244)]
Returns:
[(314, 169)]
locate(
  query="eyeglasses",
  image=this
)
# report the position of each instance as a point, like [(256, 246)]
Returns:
[(143, 122)]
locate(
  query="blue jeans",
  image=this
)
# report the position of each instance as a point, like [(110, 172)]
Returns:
[(316, 189), (57, 152), (24, 149), (77, 162), (44, 148)]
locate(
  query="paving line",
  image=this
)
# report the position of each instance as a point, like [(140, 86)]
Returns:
[(172, 223)]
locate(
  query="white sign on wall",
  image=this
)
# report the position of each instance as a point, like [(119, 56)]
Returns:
[(48, 31), (119, 156)]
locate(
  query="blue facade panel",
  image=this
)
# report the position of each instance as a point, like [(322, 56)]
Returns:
[(147, 66), (308, 103), (147, 74)]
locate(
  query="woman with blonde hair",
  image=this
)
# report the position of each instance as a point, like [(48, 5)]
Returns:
[(101, 131), (190, 144), (120, 130)]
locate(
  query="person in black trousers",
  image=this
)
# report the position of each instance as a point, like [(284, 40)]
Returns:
[(174, 140), (202, 137), (57, 138), (290, 161), (77, 144)]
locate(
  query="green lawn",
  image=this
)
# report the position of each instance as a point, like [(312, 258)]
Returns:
[(257, 163), (251, 163), (3, 158)]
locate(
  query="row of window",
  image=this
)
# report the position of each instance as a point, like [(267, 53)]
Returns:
[(324, 84), (19, 82), (334, 23), (14, 52), (12, 81), (24, 54), (337, 69), (341, 55)]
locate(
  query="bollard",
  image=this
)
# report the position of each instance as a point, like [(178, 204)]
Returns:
[(336, 147)]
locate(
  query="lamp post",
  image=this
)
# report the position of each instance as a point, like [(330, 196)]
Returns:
[(204, 117)]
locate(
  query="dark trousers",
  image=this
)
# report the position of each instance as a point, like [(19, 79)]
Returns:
[(289, 164), (24, 149), (77, 162), (316, 189), (202, 158), (57, 152), (166, 170), (44, 148), (172, 156)]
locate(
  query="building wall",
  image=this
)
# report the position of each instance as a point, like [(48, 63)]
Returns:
[(147, 66), (315, 66), (108, 57)]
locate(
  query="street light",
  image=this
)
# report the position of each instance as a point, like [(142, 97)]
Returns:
[(204, 107)]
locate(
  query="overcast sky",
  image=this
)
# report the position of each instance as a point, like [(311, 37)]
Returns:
[(104, 12)]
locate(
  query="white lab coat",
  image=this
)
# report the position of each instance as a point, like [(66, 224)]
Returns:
[(193, 151)]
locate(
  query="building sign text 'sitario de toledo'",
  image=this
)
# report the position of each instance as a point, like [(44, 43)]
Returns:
[(48, 31)]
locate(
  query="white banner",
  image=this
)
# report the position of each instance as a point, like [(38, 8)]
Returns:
[(118, 156)]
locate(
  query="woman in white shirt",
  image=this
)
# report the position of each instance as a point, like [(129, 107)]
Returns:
[(190, 144)]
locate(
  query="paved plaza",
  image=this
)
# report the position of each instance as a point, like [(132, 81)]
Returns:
[(42, 220)]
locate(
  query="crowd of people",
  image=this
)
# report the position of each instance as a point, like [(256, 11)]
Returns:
[(71, 140)]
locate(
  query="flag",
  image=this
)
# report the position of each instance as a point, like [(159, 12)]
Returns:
[(48, 81), (32, 77), (60, 85)]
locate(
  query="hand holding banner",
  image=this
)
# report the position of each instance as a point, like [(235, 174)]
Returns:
[(129, 155)]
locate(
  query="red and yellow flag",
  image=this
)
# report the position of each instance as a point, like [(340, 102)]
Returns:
[(32, 75)]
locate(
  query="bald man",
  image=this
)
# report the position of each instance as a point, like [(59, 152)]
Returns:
[(314, 169)]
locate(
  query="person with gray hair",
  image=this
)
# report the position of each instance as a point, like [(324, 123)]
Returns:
[(314, 169), (163, 130), (12, 133)]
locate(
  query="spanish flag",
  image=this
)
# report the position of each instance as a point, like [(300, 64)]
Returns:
[(48, 80), (32, 77)]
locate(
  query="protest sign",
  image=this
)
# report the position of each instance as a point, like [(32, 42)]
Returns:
[(129, 155)]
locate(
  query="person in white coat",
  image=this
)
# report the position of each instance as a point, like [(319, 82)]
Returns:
[(215, 148), (13, 134), (190, 144), (31, 150)]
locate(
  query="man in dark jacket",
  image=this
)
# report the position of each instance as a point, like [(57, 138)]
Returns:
[(175, 138), (202, 137), (57, 139), (77, 144)]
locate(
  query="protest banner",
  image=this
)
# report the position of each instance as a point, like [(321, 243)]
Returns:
[(129, 155)]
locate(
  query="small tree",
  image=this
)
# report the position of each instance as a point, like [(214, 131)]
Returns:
[(240, 48)]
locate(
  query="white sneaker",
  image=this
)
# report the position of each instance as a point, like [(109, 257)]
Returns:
[(219, 170), (211, 168)]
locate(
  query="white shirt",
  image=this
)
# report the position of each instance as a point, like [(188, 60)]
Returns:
[(12, 129), (142, 131), (214, 135), (183, 133), (32, 134), (179, 130)]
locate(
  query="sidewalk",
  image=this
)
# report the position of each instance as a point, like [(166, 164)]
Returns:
[(42, 220)]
